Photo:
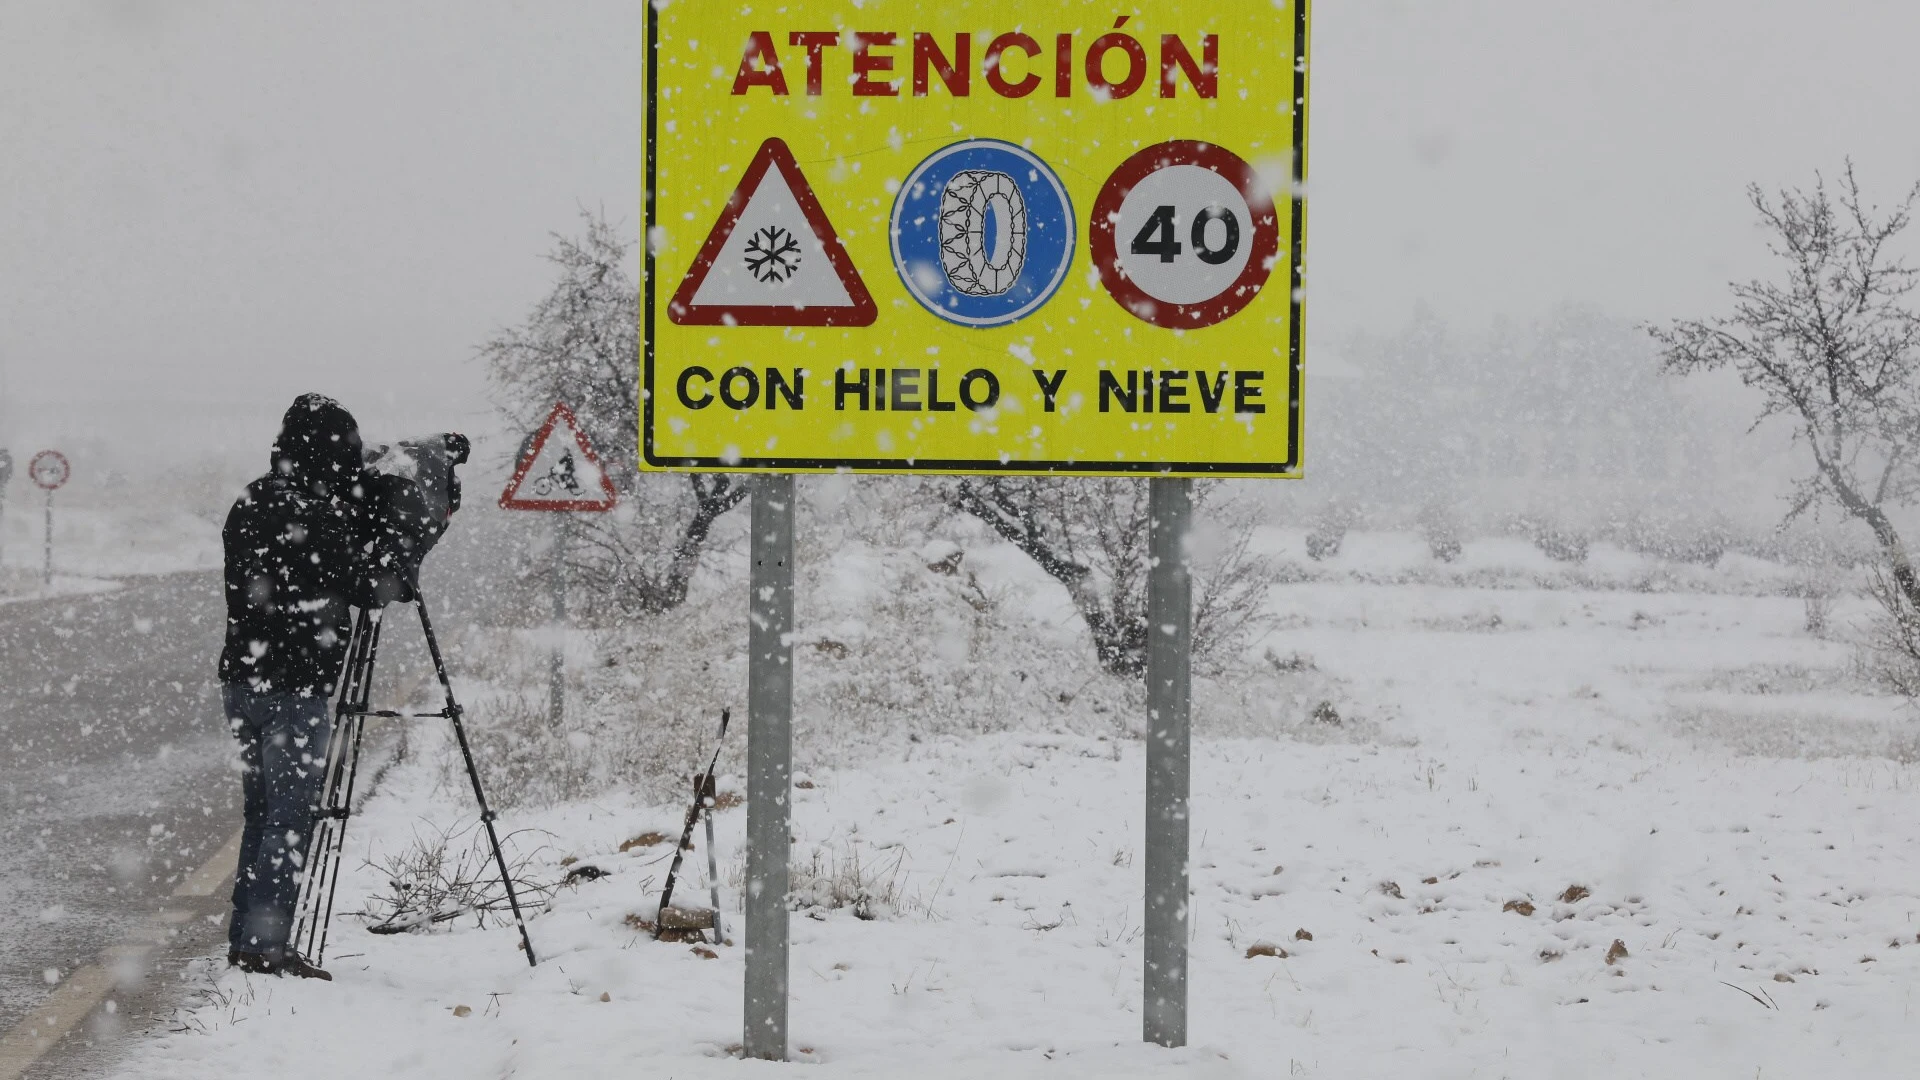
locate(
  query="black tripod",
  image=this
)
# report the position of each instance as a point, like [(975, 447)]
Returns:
[(314, 913)]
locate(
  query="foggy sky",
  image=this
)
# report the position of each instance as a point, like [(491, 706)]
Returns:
[(208, 206)]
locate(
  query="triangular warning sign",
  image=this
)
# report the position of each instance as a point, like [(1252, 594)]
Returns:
[(558, 471), (772, 259)]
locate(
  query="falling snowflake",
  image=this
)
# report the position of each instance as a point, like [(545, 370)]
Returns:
[(772, 254)]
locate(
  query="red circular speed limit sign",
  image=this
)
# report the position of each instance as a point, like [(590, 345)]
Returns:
[(49, 469), (1184, 234)]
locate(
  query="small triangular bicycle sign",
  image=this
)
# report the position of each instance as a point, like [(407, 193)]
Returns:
[(558, 470)]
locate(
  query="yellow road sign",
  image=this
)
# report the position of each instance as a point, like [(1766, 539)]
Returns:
[(977, 236)]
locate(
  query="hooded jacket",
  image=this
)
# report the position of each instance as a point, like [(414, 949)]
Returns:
[(293, 544)]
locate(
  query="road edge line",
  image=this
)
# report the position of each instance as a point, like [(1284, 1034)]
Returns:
[(42, 1028)]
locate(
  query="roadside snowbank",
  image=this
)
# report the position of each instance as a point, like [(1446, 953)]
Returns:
[(92, 546), (1394, 558)]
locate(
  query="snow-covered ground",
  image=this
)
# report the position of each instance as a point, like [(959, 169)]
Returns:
[(92, 545), (1571, 831)]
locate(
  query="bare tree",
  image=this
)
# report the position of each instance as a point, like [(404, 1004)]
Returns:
[(1091, 536), (580, 345), (1834, 348)]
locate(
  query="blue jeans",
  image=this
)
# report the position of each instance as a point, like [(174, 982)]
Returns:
[(283, 748)]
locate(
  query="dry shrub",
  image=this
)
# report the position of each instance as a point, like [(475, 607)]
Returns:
[(1890, 648), (1816, 591), (1441, 530), (833, 880), (627, 720), (1556, 541), (1092, 536), (1329, 530), (447, 873)]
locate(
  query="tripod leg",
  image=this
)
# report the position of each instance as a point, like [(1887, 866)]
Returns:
[(679, 856), (358, 724), (703, 797), (317, 862), (364, 695), (343, 805), (473, 774), (322, 857)]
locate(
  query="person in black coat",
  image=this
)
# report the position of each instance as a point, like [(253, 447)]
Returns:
[(296, 544)]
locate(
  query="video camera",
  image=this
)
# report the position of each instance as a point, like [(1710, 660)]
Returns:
[(411, 493)]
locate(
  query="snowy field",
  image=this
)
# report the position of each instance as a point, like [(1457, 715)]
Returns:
[(1561, 828), (92, 545)]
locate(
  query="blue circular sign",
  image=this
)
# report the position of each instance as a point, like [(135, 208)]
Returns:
[(982, 233)]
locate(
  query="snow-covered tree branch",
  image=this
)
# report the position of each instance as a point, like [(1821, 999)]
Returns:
[(1091, 536), (1833, 346)]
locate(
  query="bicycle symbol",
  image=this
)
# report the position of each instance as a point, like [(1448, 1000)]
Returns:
[(560, 476)]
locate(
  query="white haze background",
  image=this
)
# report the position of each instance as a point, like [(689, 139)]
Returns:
[(209, 207)]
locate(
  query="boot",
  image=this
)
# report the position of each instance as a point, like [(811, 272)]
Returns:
[(294, 964), (252, 962)]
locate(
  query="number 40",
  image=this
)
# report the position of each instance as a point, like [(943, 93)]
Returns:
[(1156, 236)]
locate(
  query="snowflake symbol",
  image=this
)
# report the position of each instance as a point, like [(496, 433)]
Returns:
[(772, 254)]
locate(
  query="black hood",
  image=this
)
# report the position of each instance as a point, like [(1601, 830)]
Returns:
[(319, 445)]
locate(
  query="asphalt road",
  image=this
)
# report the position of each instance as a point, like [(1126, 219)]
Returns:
[(114, 785)]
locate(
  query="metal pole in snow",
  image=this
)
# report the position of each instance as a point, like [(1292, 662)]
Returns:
[(49, 572), (6, 477), (769, 765), (557, 682), (1163, 1006), (713, 881)]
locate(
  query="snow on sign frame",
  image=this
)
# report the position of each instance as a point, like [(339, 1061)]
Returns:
[(986, 236), (559, 470)]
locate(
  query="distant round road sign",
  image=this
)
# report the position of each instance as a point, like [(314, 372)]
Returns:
[(49, 469), (982, 233), (1184, 234)]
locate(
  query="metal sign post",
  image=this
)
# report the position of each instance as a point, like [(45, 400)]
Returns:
[(556, 673), (769, 765), (50, 471), (1169, 746), (6, 477)]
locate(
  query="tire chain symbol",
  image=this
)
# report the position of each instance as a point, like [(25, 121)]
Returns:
[(964, 250)]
